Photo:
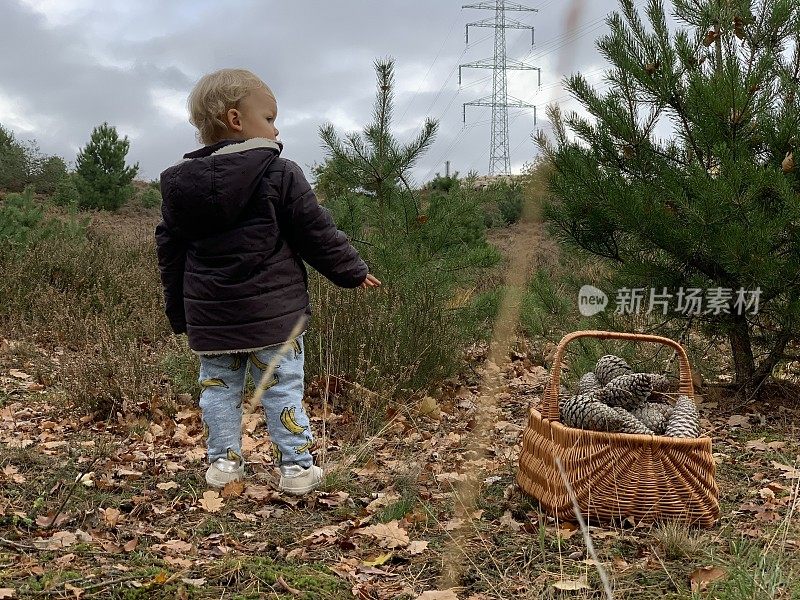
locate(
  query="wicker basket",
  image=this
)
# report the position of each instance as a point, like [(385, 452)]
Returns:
[(617, 475)]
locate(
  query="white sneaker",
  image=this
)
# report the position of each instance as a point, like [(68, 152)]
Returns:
[(298, 481), (222, 471)]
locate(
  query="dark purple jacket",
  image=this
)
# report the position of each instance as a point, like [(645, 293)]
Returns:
[(238, 221)]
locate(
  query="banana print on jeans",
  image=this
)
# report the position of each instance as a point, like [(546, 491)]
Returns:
[(304, 447), (213, 382), (289, 422), (221, 397)]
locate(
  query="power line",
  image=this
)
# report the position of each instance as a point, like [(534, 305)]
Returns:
[(453, 70), (548, 47), (428, 72)]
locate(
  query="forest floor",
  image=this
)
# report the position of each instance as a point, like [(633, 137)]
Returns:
[(119, 508)]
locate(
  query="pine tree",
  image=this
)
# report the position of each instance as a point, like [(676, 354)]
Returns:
[(683, 174), (103, 179), (373, 161)]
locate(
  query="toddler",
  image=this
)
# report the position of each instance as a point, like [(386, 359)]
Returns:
[(238, 222)]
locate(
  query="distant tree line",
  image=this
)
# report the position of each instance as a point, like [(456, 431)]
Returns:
[(101, 179)]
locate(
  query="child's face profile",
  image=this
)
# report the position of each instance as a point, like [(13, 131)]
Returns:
[(255, 116)]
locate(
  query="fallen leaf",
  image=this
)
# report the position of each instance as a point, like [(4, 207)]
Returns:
[(383, 499), (324, 535), (232, 489), (75, 590), (451, 477), (760, 444), (211, 501), (567, 530), (173, 547), (379, 560), (248, 518), (47, 520), (766, 493), (200, 582), (332, 500), (110, 546), (7, 593), (742, 421), (86, 479), (128, 473), (368, 470), (51, 445), (60, 539), (65, 559), (438, 595), (389, 535), (702, 577), (620, 564), (112, 516), (453, 524), (776, 487), (417, 547), (507, 522), (181, 563), (428, 407), (130, 546), (167, 485), (572, 584), (788, 471), (17, 374), (259, 492)]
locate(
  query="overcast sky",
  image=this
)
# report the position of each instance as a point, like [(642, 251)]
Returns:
[(68, 65)]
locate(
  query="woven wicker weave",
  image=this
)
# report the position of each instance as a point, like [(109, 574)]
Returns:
[(617, 475)]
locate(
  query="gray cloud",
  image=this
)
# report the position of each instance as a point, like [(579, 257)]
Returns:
[(132, 64)]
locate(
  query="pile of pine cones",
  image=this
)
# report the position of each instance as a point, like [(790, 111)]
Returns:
[(614, 398)]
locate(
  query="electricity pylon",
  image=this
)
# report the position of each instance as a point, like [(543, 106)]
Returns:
[(499, 160)]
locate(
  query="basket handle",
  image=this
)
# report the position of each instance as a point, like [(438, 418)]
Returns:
[(550, 400)]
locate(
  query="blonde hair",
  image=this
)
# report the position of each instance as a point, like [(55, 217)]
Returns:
[(214, 95)]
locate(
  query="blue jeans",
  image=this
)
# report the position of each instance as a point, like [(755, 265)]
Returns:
[(222, 378)]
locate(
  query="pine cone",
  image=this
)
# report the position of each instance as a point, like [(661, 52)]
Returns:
[(613, 396), (588, 383), (583, 412), (628, 423), (660, 382), (663, 408), (685, 419), (609, 367), (652, 415), (640, 385)]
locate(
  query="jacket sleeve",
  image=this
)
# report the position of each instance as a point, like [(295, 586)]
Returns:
[(171, 261), (312, 233)]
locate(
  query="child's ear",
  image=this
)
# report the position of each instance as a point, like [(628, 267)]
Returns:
[(232, 119)]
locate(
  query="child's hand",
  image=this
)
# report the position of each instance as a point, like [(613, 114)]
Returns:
[(370, 281)]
